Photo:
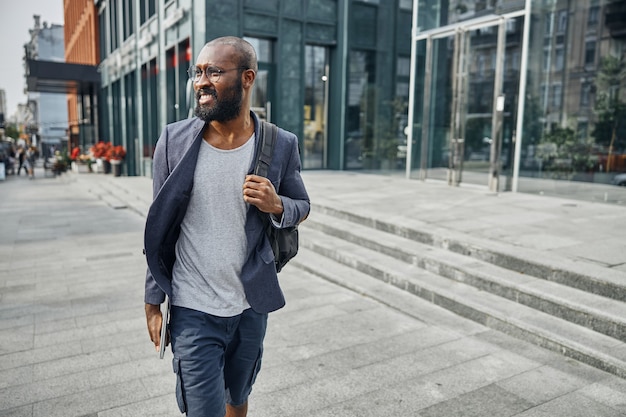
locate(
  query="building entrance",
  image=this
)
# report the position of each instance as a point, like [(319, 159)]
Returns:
[(470, 80)]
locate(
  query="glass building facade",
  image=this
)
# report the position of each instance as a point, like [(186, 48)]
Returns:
[(506, 94), (521, 95)]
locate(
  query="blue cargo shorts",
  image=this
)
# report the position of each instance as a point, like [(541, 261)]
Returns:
[(216, 359)]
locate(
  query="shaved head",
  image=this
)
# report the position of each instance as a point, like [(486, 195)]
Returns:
[(244, 51)]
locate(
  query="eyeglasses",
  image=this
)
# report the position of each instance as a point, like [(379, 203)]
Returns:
[(213, 74)]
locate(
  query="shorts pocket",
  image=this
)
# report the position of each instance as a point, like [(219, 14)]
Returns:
[(180, 387), (257, 368)]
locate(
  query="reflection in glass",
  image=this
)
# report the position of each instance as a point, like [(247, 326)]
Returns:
[(575, 110)]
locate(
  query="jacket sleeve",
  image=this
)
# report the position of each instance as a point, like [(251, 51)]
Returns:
[(292, 192), (153, 294)]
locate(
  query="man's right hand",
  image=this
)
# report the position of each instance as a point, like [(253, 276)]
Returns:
[(154, 320)]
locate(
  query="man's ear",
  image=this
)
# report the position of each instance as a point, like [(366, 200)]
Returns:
[(248, 76)]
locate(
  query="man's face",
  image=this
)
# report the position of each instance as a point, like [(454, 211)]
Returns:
[(220, 101)]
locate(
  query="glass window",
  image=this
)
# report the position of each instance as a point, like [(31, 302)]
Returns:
[(556, 95), (131, 122), (543, 101), (404, 67), (150, 109), (360, 109), (480, 64), (116, 93), (402, 89), (583, 129), (129, 19), (585, 92), (102, 36), (142, 13), (170, 79), (562, 22), (547, 30), (514, 62), (263, 48), (511, 26), (114, 25), (592, 17), (559, 55), (315, 105), (590, 52), (566, 108), (151, 8), (261, 97), (147, 9), (363, 30), (185, 89)]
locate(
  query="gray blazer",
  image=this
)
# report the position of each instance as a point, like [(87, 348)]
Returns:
[(174, 164)]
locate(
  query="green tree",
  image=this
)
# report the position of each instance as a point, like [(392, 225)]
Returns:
[(11, 131), (563, 153)]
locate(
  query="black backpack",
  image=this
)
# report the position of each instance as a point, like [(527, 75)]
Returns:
[(284, 241)]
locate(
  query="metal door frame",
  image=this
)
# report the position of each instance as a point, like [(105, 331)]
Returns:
[(459, 31)]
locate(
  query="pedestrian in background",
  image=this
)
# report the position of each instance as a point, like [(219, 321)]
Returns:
[(205, 243), (21, 154), (29, 161)]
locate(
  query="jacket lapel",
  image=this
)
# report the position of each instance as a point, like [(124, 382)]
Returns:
[(167, 212)]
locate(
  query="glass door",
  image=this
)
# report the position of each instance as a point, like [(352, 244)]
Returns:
[(315, 106), (469, 96)]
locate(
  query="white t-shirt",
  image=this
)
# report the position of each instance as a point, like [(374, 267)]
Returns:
[(212, 246)]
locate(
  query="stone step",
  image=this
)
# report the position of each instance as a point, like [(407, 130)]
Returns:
[(355, 267), (607, 316), (548, 266)]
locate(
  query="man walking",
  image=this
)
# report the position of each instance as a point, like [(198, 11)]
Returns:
[(205, 243)]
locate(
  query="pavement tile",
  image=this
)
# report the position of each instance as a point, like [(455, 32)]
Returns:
[(163, 406), (16, 339), (80, 363), (609, 392), (15, 396), (542, 384), (92, 401), (45, 354), (488, 401), (26, 411), (572, 405), (16, 376)]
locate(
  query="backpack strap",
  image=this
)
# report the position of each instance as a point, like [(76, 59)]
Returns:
[(268, 139)]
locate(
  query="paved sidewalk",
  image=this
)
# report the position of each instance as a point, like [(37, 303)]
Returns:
[(73, 339)]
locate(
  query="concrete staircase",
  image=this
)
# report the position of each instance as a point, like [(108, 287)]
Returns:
[(575, 308)]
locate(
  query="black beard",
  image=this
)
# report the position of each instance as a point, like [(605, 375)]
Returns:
[(225, 109)]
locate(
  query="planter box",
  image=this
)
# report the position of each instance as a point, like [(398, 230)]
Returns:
[(79, 167)]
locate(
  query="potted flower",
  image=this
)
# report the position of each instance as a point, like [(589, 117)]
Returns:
[(116, 155), (99, 152)]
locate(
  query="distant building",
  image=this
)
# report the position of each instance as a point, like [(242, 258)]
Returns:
[(49, 110), (81, 47)]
